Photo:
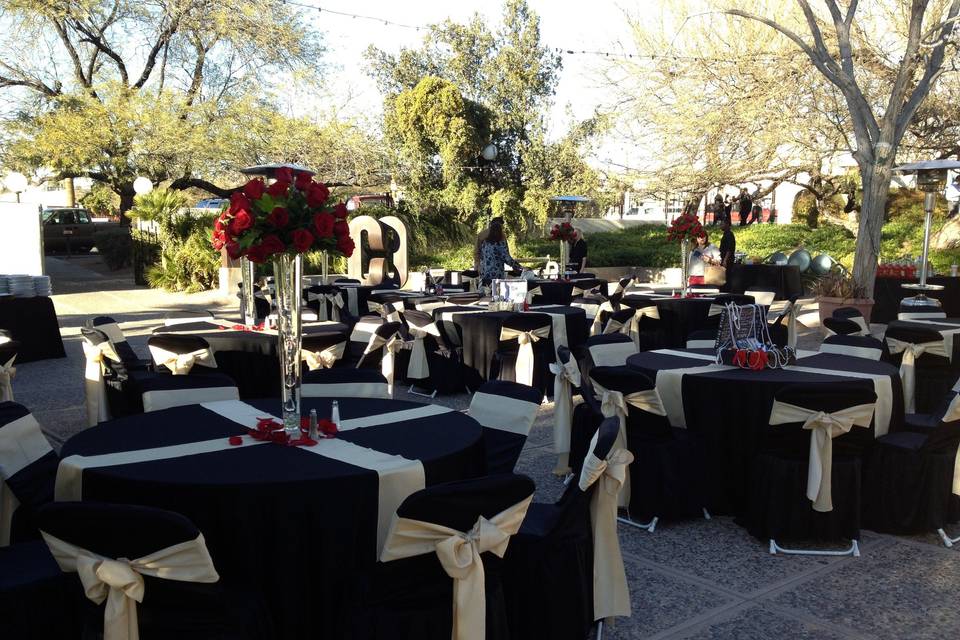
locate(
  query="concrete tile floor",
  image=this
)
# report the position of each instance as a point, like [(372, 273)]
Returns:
[(692, 579)]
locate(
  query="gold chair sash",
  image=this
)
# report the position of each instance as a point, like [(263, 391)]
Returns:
[(391, 347), (325, 358), (95, 389), (525, 360), (419, 367), (908, 364), (566, 376), (180, 364), (633, 327), (531, 293)]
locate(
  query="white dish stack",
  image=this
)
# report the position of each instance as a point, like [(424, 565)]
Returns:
[(22, 286), (41, 285)]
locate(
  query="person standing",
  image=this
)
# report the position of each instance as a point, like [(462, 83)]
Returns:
[(745, 205), (702, 255), (483, 236), (578, 252), (727, 208), (728, 246), (494, 253), (717, 208), (756, 214)]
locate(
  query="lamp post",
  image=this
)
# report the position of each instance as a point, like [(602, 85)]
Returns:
[(16, 182), (142, 186), (931, 179)]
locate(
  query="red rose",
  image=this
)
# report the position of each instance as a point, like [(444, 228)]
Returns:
[(238, 202), (303, 180), (340, 211), (323, 224), (242, 221), (233, 249), (341, 228), (346, 246), (218, 225), (235, 441), (284, 174), (272, 244), (256, 254), (278, 217), (317, 194), (217, 239), (278, 188), (326, 427), (254, 189), (302, 240)]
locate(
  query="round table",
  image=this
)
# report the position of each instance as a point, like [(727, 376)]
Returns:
[(296, 525), (250, 357), (730, 407), (679, 317), (561, 291)]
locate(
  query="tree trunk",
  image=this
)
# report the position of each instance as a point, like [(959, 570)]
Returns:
[(126, 194), (876, 187)]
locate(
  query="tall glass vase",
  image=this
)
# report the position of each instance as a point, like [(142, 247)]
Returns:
[(325, 267), (684, 267), (287, 271), (246, 282), (564, 257)]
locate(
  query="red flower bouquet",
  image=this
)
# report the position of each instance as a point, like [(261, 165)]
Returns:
[(293, 215), (563, 231), (685, 227)]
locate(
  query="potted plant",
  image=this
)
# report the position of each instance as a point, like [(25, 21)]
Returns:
[(836, 289)]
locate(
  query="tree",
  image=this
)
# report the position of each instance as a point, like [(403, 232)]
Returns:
[(122, 88), (913, 52)]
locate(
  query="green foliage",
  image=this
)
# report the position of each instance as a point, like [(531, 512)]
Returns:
[(160, 206), (114, 245), (101, 201), (188, 262)]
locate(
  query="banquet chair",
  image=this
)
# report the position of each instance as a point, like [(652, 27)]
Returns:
[(910, 484), (28, 470), (344, 383), (550, 564), (506, 411), (608, 350), (842, 327), (607, 308), (322, 351), (590, 303), (926, 422), (619, 321), (361, 332), (762, 295), (702, 339), (8, 357), (185, 316), (431, 363), (412, 591), (381, 350), (327, 302), (566, 383), (127, 355), (181, 595), (856, 346), (928, 371), (524, 350), (464, 298), (805, 481), (261, 305), (388, 305), (37, 600), (841, 318), (666, 479), (920, 312)]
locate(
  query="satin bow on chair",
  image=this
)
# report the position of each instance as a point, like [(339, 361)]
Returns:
[(419, 367), (611, 595), (7, 373), (597, 327), (120, 582), (908, 364), (566, 376), (633, 326), (180, 364), (94, 385), (391, 347), (525, 360), (333, 300), (824, 427), (325, 358), (532, 293), (459, 555)]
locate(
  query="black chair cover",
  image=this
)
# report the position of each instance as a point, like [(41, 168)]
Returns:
[(502, 366), (37, 600), (934, 374), (841, 326), (121, 346), (854, 346), (503, 448), (33, 486)]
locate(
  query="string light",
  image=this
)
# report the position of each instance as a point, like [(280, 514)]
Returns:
[(345, 14)]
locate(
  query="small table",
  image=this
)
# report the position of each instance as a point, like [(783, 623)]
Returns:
[(33, 323), (784, 279)]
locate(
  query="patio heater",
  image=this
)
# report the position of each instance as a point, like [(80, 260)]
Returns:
[(931, 179)]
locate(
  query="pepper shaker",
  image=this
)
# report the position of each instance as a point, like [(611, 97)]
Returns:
[(313, 434)]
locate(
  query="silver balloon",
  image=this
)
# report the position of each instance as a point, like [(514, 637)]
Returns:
[(801, 259), (778, 258), (821, 264)]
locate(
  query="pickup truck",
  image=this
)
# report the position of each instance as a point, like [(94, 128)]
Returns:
[(64, 225)]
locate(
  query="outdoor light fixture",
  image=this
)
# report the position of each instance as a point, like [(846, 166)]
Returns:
[(931, 179), (490, 152), (142, 186), (16, 182)]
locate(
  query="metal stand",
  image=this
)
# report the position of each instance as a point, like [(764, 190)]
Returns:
[(422, 395), (854, 550), (649, 526), (921, 299), (947, 540)]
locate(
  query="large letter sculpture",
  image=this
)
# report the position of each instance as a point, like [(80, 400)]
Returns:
[(387, 247)]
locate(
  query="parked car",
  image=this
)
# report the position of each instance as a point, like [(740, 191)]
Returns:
[(62, 225), (212, 203)]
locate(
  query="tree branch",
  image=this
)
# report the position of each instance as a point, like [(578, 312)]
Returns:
[(97, 41), (162, 40)]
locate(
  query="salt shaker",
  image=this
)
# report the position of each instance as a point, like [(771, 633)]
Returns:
[(335, 414), (312, 433)]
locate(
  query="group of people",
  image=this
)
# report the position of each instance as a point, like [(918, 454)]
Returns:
[(491, 254), (749, 212)]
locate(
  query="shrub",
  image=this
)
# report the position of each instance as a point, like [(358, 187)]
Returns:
[(188, 261), (115, 246)]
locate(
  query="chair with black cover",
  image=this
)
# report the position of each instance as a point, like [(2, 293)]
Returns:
[(8, 357), (926, 367), (805, 481), (927, 422), (261, 305), (112, 330), (604, 311), (566, 382), (28, 470), (470, 279), (147, 569), (609, 350), (506, 411), (322, 351), (910, 485), (185, 372), (644, 327), (387, 304), (446, 545), (619, 321), (361, 332), (524, 350), (566, 558), (920, 311), (856, 346), (185, 316), (762, 295), (847, 321), (782, 321), (702, 339), (382, 348), (341, 382), (432, 364), (666, 479), (590, 303), (327, 302)]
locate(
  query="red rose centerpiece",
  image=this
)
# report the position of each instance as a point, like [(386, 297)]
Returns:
[(685, 228), (566, 234), (279, 222)]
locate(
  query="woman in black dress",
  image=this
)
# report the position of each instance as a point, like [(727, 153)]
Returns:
[(578, 253)]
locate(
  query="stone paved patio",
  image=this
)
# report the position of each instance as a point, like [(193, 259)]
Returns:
[(693, 579)]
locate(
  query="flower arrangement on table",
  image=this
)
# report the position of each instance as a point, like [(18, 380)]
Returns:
[(686, 226), (563, 231), (270, 430), (293, 215)]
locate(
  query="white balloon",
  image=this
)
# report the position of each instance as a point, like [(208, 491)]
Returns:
[(16, 182), (142, 185)]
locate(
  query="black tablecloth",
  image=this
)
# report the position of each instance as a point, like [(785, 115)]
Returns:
[(784, 279), (730, 408), (679, 317), (355, 297), (888, 292), (481, 333), (561, 291), (297, 526), (32, 322), (249, 357)]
